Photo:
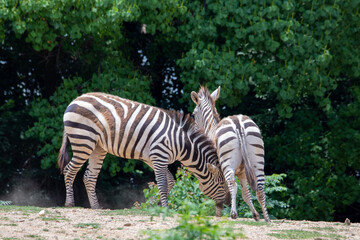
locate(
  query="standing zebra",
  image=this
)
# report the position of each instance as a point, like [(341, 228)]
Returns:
[(96, 124), (239, 146)]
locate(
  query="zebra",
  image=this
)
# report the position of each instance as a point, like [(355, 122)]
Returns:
[(98, 123), (239, 146)]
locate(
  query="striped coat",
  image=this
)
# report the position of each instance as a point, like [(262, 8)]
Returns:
[(239, 146), (96, 124)]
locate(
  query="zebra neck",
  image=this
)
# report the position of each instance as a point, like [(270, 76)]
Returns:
[(200, 151), (210, 127)]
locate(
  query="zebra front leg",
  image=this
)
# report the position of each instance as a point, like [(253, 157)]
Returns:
[(91, 174), (219, 207), (260, 194), (170, 180), (160, 170)]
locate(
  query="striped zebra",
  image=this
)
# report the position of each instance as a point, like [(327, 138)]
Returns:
[(97, 123), (240, 149)]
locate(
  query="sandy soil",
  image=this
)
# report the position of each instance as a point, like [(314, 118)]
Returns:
[(80, 223)]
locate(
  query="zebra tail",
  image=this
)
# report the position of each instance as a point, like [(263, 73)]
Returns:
[(249, 171), (63, 158)]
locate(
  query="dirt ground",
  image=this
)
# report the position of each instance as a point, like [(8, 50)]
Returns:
[(82, 223)]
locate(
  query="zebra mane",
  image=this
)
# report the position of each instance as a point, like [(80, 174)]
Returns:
[(185, 121), (204, 93)]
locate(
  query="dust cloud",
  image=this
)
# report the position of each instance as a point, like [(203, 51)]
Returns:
[(26, 191)]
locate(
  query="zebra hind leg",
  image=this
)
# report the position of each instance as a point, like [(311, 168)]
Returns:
[(91, 174), (260, 194), (230, 179), (70, 172), (246, 195)]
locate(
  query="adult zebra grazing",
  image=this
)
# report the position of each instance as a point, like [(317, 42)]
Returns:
[(96, 124), (240, 149)]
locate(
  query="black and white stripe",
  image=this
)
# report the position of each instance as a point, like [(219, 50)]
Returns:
[(96, 124), (239, 146)]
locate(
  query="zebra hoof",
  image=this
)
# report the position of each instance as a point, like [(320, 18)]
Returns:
[(69, 205), (256, 217), (233, 215), (96, 207)]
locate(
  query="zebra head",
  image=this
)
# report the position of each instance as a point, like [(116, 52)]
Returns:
[(205, 113), (219, 178)]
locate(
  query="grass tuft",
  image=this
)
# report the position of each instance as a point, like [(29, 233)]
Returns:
[(302, 234), (87, 225), (34, 236), (54, 218), (124, 212), (250, 223), (23, 209)]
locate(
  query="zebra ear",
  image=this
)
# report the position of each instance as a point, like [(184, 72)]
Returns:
[(212, 168), (195, 97), (215, 95)]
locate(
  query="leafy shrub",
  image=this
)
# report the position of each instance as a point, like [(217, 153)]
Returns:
[(194, 224), (186, 187), (274, 190), (152, 196)]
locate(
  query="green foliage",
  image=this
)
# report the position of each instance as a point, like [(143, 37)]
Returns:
[(276, 196), (194, 224), (152, 196), (325, 165), (88, 225), (186, 188), (43, 21), (25, 209), (124, 212), (272, 47), (302, 234)]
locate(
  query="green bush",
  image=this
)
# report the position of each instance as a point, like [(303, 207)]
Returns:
[(186, 188), (275, 199), (194, 224), (152, 196)]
